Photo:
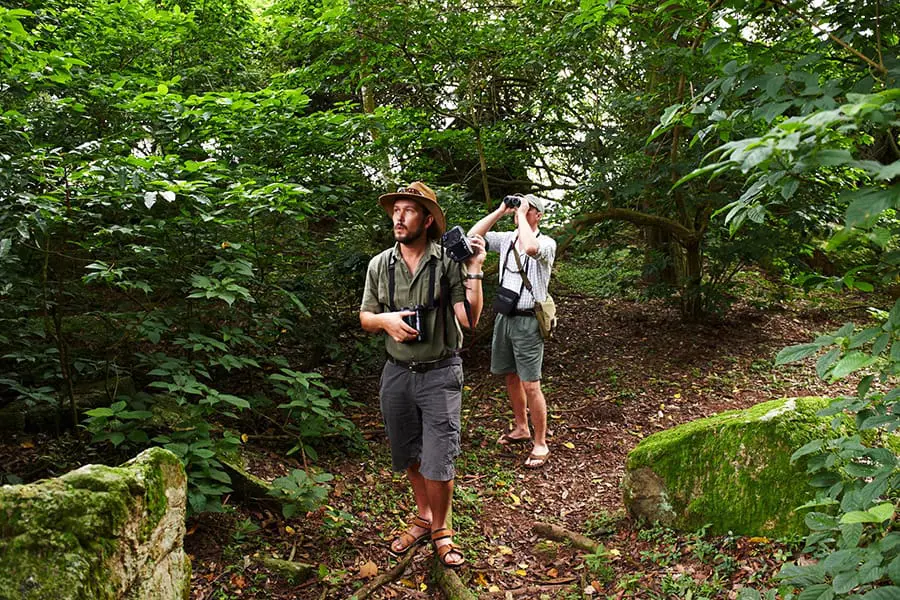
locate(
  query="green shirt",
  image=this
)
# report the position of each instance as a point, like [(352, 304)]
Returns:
[(411, 290)]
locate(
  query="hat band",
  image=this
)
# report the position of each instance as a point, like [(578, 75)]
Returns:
[(410, 190)]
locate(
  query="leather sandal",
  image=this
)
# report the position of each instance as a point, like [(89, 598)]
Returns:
[(409, 540), (442, 551)]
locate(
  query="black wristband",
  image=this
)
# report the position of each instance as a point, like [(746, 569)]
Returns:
[(474, 275)]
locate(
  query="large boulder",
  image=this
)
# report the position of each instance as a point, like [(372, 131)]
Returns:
[(97, 533), (731, 471)]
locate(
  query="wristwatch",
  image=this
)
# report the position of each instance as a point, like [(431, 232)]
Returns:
[(474, 275)]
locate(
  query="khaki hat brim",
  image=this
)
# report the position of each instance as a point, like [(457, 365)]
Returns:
[(437, 228)]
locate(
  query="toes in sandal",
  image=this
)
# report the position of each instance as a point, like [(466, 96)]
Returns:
[(450, 548), (408, 540)]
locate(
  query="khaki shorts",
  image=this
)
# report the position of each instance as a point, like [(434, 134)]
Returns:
[(421, 416), (517, 347)]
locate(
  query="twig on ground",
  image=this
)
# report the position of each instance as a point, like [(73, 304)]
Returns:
[(386, 577), (558, 534)]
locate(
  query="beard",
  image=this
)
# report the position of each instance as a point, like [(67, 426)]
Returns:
[(409, 235)]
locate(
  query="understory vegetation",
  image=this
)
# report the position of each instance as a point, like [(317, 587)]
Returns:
[(188, 202)]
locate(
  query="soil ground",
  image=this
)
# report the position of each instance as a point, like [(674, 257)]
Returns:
[(617, 372)]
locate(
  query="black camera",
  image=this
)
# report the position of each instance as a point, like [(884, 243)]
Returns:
[(457, 244), (416, 321), (512, 201)]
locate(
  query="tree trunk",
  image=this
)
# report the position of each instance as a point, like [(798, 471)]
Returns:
[(658, 241), (689, 268)]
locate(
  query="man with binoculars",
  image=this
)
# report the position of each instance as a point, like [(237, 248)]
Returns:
[(517, 349), (421, 383)]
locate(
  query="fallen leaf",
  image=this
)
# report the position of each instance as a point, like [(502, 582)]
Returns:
[(289, 530), (244, 437), (368, 570), (515, 499), (504, 549), (552, 572), (27, 444), (238, 581), (493, 589), (569, 445), (480, 580), (521, 572), (759, 540)]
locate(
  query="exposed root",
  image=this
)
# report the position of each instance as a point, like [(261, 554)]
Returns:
[(558, 534)]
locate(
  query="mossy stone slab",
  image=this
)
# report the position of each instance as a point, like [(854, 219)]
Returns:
[(731, 471), (97, 533)]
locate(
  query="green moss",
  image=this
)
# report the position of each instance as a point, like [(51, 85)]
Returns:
[(709, 467), (58, 536)]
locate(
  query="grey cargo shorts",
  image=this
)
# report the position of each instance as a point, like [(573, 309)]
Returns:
[(421, 415)]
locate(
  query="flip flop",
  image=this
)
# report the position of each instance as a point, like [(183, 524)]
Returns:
[(409, 540), (536, 461), (506, 440)]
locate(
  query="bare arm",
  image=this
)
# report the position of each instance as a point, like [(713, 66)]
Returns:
[(474, 293), (488, 221), (527, 239), (390, 322)]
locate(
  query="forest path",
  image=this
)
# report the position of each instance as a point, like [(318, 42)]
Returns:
[(615, 373)]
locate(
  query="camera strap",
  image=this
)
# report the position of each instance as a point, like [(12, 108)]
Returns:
[(437, 301), (524, 275), (512, 248), (392, 270)]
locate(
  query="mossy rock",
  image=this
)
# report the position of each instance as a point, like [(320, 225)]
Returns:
[(97, 533), (731, 471)]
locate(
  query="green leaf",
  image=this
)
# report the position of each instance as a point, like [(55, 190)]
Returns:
[(810, 448), (234, 400), (831, 158), (826, 361), (859, 516), (821, 591), (893, 570), (844, 582), (100, 412), (795, 353), (883, 512), (889, 592), (819, 521), (864, 336), (867, 205), (842, 560), (850, 363)]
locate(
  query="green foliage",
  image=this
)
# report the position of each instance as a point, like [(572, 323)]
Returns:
[(310, 412), (603, 273), (300, 492), (821, 132)]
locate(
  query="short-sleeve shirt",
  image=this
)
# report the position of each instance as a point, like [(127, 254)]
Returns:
[(536, 267), (415, 289)]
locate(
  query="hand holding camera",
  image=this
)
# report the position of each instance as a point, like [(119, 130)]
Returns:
[(462, 248)]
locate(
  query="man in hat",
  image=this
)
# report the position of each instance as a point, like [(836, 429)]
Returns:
[(421, 384), (517, 348)]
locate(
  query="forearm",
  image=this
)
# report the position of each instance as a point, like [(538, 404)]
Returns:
[(527, 238), (371, 322), (475, 298), (487, 222)]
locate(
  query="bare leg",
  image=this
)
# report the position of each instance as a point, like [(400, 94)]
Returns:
[(420, 493), (537, 406), (517, 400), (440, 494)]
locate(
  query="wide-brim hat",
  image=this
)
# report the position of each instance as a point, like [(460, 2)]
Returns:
[(424, 195)]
